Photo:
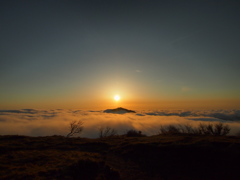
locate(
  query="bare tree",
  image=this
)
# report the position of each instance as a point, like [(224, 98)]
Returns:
[(218, 129), (221, 130), (170, 129), (189, 129), (107, 132), (76, 127)]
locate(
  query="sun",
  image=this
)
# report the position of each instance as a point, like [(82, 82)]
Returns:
[(117, 97)]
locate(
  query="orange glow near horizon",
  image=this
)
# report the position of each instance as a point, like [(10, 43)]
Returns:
[(130, 101)]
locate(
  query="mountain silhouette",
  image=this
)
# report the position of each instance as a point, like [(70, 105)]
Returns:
[(119, 110)]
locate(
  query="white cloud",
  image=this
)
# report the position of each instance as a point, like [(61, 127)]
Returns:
[(56, 122)]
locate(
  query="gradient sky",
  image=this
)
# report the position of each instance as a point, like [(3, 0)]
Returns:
[(77, 54)]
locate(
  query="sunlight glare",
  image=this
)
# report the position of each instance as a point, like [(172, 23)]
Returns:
[(117, 97)]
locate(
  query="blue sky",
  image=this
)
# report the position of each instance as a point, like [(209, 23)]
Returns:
[(78, 52)]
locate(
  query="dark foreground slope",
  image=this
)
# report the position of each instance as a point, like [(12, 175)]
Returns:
[(156, 157)]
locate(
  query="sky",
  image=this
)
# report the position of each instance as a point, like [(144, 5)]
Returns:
[(154, 54)]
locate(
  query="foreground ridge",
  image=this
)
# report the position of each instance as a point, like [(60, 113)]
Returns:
[(120, 157)]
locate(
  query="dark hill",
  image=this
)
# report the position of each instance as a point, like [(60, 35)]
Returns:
[(119, 110)]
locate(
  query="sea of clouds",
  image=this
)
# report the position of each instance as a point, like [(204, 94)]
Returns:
[(37, 122)]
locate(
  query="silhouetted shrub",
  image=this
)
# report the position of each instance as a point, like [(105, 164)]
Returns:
[(106, 132), (75, 128), (171, 129), (134, 133), (218, 129), (187, 129)]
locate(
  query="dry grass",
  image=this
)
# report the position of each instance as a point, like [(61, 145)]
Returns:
[(120, 157)]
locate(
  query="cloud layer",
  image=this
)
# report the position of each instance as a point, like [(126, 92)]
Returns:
[(35, 122)]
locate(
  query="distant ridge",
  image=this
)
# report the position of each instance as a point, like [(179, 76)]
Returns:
[(119, 110)]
